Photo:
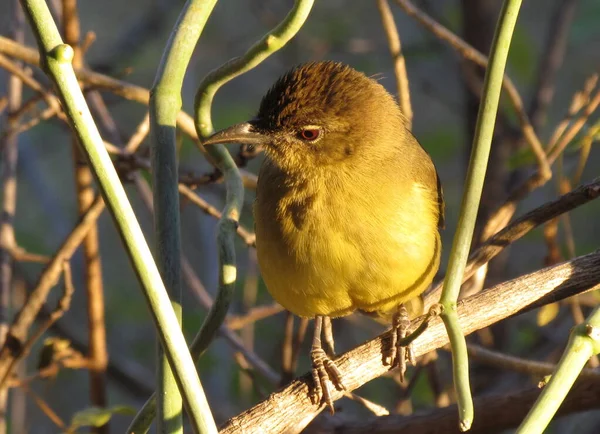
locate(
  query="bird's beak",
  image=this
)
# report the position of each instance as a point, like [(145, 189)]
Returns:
[(244, 133)]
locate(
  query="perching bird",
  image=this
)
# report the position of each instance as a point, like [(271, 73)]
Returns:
[(348, 204)]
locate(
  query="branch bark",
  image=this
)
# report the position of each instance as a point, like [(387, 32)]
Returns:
[(290, 409), (495, 413)]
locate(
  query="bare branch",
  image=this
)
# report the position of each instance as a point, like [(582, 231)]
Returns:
[(552, 58), (470, 53), (256, 313), (291, 409), (393, 37), (495, 413), (518, 229), (17, 332), (249, 238), (517, 364)]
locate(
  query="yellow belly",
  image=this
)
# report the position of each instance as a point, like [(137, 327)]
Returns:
[(350, 257)]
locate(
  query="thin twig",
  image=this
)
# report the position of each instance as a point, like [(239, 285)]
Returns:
[(376, 409), (15, 70), (578, 101), (21, 255), (106, 123), (517, 364), (138, 136), (248, 237), (9, 151), (393, 38), (470, 53), (73, 360), (574, 128), (584, 153), (45, 115), (256, 313), (45, 408), (298, 341), (552, 58), (249, 295), (518, 229), (287, 374), (18, 330)]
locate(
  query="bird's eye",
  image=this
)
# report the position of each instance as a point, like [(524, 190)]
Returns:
[(310, 134)]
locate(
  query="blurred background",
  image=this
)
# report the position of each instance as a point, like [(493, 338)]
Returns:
[(129, 40)]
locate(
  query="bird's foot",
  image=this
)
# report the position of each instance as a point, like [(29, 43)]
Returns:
[(398, 354), (324, 372)]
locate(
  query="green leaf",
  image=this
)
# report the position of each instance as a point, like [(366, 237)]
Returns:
[(96, 416)]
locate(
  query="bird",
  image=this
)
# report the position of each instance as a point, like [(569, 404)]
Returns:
[(348, 206)]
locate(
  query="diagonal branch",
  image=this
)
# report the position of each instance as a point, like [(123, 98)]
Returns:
[(517, 229), (552, 59), (17, 332), (495, 413), (290, 409), (471, 54)]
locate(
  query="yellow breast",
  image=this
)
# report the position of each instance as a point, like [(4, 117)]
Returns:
[(329, 253)]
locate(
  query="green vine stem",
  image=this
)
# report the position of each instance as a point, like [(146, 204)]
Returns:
[(584, 342), (165, 104), (56, 59), (482, 140), (270, 43)]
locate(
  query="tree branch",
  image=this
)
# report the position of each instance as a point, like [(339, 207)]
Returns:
[(290, 409), (518, 229), (495, 413), (552, 59), (17, 332)]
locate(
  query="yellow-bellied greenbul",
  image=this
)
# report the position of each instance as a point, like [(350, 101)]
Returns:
[(348, 205)]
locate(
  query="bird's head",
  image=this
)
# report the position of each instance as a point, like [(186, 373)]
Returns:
[(318, 114)]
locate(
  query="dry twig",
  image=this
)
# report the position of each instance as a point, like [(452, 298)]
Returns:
[(17, 333), (470, 53), (518, 228), (393, 37)]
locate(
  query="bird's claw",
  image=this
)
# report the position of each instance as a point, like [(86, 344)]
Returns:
[(324, 371), (397, 355)]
